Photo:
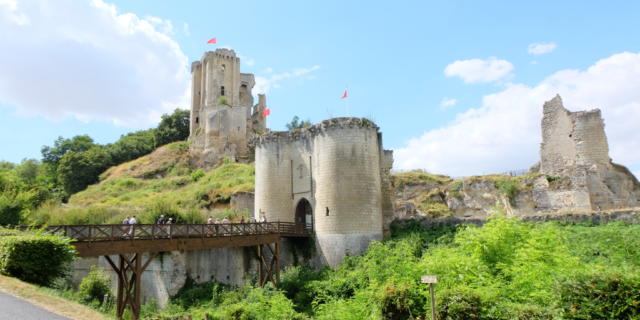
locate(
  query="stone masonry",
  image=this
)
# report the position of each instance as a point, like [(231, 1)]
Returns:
[(223, 116), (339, 168), (574, 149)]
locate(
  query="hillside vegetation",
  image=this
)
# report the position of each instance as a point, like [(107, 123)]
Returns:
[(506, 269), (419, 193), (159, 183)]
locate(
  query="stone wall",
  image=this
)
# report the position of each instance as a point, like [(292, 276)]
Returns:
[(336, 166), (219, 127), (574, 146), (168, 272), (241, 201)]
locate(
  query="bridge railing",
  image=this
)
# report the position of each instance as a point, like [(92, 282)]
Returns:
[(111, 232)]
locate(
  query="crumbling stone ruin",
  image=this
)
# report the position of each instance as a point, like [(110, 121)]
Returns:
[(574, 157), (574, 175), (223, 116), (334, 176)]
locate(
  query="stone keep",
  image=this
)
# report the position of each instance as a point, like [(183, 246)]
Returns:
[(223, 116), (332, 176), (574, 146)]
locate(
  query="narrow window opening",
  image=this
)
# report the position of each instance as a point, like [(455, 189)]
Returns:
[(222, 90), (327, 211), (197, 120), (570, 135)]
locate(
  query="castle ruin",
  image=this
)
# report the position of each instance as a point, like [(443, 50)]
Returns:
[(574, 149), (223, 116), (334, 177)]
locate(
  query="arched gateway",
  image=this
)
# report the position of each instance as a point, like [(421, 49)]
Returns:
[(304, 213)]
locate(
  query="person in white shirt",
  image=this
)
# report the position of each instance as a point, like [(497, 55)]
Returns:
[(132, 221)]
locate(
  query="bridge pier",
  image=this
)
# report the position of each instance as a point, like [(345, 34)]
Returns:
[(269, 263), (129, 271)]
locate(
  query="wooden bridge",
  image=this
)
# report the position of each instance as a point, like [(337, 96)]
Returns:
[(130, 242)]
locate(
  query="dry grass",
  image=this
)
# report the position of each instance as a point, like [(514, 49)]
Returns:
[(54, 304)]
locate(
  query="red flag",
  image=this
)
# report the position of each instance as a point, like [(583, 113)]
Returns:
[(212, 41), (266, 112), (345, 94)]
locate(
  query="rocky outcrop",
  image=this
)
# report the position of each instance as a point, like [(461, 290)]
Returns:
[(575, 174)]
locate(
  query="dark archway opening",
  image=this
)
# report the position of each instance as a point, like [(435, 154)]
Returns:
[(304, 213)]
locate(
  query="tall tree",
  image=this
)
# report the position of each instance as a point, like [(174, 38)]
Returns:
[(173, 127), (61, 146), (296, 123), (77, 170)]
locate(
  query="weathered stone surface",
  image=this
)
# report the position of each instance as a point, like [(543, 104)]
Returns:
[(168, 272), (223, 117), (574, 175), (338, 166)]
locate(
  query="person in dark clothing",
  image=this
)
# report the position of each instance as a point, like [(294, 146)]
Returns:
[(160, 220)]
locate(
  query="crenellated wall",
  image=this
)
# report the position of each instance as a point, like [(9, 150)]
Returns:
[(338, 167)]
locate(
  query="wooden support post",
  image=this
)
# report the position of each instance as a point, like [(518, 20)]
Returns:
[(129, 271), (269, 263)]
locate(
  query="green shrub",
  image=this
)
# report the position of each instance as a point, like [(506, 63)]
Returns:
[(459, 304), (34, 257), (95, 286), (600, 296), (509, 187), (196, 175), (193, 294), (10, 211)]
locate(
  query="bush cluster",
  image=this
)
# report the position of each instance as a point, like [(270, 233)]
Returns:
[(35, 257), (95, 286), (504, 270)]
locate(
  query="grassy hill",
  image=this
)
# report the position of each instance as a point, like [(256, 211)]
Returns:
[(162, 182)]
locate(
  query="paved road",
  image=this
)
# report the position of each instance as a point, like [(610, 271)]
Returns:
[(12, 308)]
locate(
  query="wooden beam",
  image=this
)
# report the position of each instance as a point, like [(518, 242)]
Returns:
[(127, 246)]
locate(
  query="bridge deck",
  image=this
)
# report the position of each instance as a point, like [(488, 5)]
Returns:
[(99, 240)]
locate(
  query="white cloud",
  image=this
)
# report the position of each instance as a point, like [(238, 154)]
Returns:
[(86, 60), (163, 25), (478, 70), (264, 84), (447, 103), (541, 48), (185, 29), (504, 132)]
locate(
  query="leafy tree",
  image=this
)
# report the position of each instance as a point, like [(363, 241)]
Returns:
[(28, 170), (132, 146), (77, 170), (61, 146), (6, 166), (173, 127), (296, 123)]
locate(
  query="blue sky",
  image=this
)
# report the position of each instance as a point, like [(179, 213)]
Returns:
[(393, 56)]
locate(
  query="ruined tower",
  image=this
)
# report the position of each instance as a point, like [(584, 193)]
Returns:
[(575, 151), (330, 176), (223, 116)]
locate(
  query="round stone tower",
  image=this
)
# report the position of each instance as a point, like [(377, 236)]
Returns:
[(328, 176)]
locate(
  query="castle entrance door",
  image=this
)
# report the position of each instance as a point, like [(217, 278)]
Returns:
[(304, 213)]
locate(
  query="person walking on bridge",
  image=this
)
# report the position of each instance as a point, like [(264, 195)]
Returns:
[(132, 222), (209, 226), (124, 230)]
